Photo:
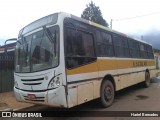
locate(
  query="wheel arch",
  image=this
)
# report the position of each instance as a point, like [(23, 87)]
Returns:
[(110, 78), (147, 70)]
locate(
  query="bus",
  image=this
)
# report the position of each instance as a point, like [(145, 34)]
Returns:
[(64, 61)]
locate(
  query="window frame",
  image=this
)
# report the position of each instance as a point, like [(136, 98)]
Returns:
[(100, 32), (57, 27), (143, 52), (134, 49), (124, 47), (76, 25)]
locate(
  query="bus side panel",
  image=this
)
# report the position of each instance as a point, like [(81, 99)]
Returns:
[(85, 92), (81, 84), (141, 74), (117, 83), (108, 66), (72, 95), (57, 100), (96, 87), (124, 81)]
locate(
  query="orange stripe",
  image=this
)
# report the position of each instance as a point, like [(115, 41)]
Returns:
[(92, 67), (109, 64)]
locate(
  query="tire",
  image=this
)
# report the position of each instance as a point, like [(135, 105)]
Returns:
[(146, 83), (107, 93)]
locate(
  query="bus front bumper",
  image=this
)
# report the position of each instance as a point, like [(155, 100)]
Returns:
[(54, 97)]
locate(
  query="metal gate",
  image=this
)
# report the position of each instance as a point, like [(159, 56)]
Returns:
[(6, 71)]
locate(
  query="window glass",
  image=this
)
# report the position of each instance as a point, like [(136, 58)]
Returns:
[(88, 44), (121, 46), (23, 54), (124, 42), (71, 46), (134, 48), (141, 47), (35, 49), (106, 38), (40, 22), (143, 50), (38, 51), (104, 44), (79, 47), (149, 48), (150, 52), (116, 40)]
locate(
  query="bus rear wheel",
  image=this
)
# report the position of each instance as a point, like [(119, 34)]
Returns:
[(107, 93), (146, 83)]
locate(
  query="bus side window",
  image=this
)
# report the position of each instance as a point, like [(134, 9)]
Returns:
[(143, 50), (79, 48), (150, 52), (121, 46), (104, 44), (134, 48)]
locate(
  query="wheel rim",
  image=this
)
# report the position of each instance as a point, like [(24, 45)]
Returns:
[(108, 93)]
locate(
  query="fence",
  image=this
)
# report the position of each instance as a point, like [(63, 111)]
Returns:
[(6, 71)]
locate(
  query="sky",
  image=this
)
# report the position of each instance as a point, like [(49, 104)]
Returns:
[(15, 14)]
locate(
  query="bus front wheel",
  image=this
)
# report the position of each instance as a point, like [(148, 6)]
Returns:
[(107, 93)]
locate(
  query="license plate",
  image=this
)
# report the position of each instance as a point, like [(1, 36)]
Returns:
[(31, 96)]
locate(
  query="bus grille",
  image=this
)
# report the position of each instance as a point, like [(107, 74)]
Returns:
[(30, 81), (37, 99)]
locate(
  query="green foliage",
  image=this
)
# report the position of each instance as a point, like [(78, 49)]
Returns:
[(156, 50), (93, 13)]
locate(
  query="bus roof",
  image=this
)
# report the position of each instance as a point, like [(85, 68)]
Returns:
[(40, 22), (105, 28), (52, 18)]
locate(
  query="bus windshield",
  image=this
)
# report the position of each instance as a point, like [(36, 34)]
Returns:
[(37, 51)]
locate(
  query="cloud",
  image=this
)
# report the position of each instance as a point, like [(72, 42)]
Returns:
[(2, 41), (151, 36)]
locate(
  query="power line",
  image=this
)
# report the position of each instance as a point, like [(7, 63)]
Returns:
[(132, 17), (136, 16)]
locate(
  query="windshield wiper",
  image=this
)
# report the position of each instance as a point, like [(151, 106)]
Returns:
[(51, 38), (49, 34)]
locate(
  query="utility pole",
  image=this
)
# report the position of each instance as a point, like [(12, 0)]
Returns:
[(111, 23), (141, 37)]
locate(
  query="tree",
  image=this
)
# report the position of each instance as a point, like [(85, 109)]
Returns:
[(93, 13), (156, 50)]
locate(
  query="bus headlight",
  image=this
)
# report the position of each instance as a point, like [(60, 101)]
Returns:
[(57, 81), (54, 82), (15, 84)]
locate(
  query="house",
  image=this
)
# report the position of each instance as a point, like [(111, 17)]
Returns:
[(157, 59), (7, 67)]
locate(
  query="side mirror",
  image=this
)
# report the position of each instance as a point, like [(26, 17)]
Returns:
[(12, 39)]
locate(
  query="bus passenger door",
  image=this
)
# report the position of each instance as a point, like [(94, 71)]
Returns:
[(81, 66)]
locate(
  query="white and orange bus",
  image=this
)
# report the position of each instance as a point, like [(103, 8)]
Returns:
[(64, 61)]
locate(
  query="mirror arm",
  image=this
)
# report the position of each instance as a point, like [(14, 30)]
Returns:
[(13, 39)]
